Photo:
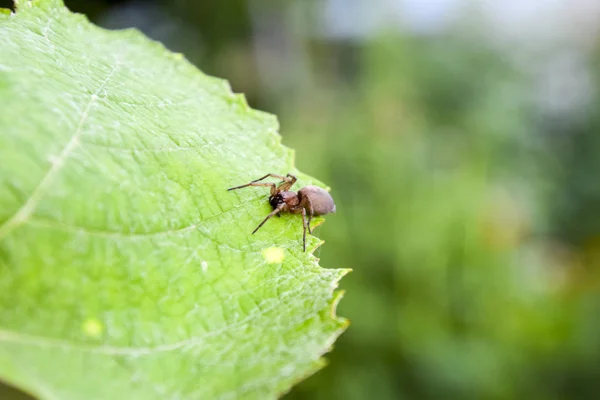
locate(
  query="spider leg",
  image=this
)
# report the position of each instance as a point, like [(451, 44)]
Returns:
[(304, 229), (283, 178), (306, 204), (287, 182), (310, 214), (271, 214), (271, 185)]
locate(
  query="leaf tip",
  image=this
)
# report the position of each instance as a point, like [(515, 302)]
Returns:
[(177, 56), (342, 322), (337, 296)]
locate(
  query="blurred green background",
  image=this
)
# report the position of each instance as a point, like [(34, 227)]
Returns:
[(461, 142)]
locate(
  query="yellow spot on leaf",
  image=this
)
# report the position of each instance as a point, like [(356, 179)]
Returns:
[(273, 255), (92, 327)]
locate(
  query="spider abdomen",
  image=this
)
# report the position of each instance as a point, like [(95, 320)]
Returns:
[(321, 201)]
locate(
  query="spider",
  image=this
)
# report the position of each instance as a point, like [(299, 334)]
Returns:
[(311, 200)]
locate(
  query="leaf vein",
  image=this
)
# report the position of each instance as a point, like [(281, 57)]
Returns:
[(24, 213), (124, 235), (9, 336), (146, 149)]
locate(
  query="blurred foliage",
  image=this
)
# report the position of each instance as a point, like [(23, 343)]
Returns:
[(468, 214), (456, 291)]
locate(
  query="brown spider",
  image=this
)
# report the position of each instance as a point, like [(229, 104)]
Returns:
[(310, 199)]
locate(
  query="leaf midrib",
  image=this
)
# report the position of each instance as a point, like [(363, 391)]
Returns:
[(24, 213)]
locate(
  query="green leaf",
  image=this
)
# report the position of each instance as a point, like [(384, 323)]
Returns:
[(126, 268)]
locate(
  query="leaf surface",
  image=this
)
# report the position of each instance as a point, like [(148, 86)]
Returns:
[(127, 271)]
